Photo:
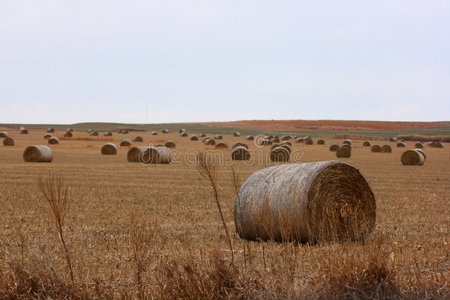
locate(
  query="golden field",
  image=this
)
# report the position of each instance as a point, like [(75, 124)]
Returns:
[(154, 231)]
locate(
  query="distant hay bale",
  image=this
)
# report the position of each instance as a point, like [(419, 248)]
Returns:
[(135, 153), (418, 145), (286, 146), (401, 144), (109, 149), (154, 133), (287, 143), (263, 142), (156, 155), (218, 137), (138, 139), (184, 134), (376, 148), (170, 144), (3, 134), (386, 149), (393, 139), (366, 144), (275, 139), (334, 148), (285, 137), (93, 133), (436, 145), (250, 138), (237, 134), (280, 154), (69, 129), (344, 152), (68, 134), (299, 140), (38, 153), (239, 144), (414, 157), (309, 142), (47, 136), (8, 141), (107, 133), (209, 141), (320, 142), (308, 203), (221, 145), (125, 143), (125, 131), (240, 153), (181, 130), (53, 141), (347, 142), (203, 135), (23, 131), (165, 131), (194, 138), (50, 130)]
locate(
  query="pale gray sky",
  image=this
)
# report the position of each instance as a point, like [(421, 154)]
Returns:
[(205, 60)]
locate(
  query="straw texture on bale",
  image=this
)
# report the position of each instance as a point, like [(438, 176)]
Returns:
[(68, 134), (170, 144), (386, 149), (423, 152), (344, 152), (287, 143), (240, 153), (221, 145), (135, 153), (53, 141), (376, 148), (109, 149), (309, 142), (239, 144), (401, 144), (138, 139), (250, 138), (418, 145), (194, 138), (414, 157), (334, 148), (3, 134), (156, 155), (8, 142), (50, 130), (280, 154), (125, 143), (320, 142), (39, 153), (366, 144), (309, 203)]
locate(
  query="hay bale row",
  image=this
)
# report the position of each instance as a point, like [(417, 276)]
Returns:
[(309, 203), (320, 142), (376, 148), (386, 149), (237, 134), (418, 145), (68, 133), (218, 137), (414, 157), (154, 133), (23, 130), (109, 149), (93, 133), (209, 142), (38, 153), (165, 131)]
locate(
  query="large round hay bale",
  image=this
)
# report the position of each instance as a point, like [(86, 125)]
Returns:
[(414, 157), (334, 148), (250, 138), (170, 144), (221, 145), (165, 131), (3, 134), (50, 130), (135, 153), (138, 139), (237, 134), (423, 152), (107, 133), (436, 145), (280, 154), (366, 144), (401, 144), (156, 155), (47, 136), (309, 203), (109, 149), (239, 144), (240, 153), (320, 142), (194, 138), (344, 152), (347, 142), (386, 149), (38, 153), (154, 133), (418, 145), (218, 137), (376, 148), (53, 141), (68, 134), (125, 143), (309, 142), (8, 141), (93, 133)]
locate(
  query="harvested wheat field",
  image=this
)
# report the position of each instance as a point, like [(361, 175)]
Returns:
[(136, 230)]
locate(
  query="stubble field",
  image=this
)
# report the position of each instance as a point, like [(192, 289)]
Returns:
[(154, 231)]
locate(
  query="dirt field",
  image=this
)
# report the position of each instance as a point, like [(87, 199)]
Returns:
[(183, 251)]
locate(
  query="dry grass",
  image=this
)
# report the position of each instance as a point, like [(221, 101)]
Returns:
[(176, 244)]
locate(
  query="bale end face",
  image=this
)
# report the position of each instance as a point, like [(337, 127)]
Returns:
[(413, 158)]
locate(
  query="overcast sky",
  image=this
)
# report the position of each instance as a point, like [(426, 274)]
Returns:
[(215, 60)]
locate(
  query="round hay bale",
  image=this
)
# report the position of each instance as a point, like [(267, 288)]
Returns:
[(93, 133), (386, 149), (264, 142), (50, 130), (347, 142), (320, 142), (401, 144), (47, 136), (154, 133), (135, 153), (194, 138), (138, 139), (165, 131), (376, 148), (414, 157), (107, 133), (418, 145), (240, 153), (221, 145), (109, 149), (53, 141), (280, 154), (393, 139), (218, 137), (156, 155), (285, 138), (308, 203), (344, 152), (275, 139), (203, 135), (239, 144), (423, 153), (366, 144), (436, 145), (125, 143), (68, 134), (287, 143), (309, 142), (69, 129), (125, 131), (90, 130), (181, 130), (170, 144), (3, 134), (209, 141), (24, 131), (8, 141), (184, 134), (237, 134), (38, 153), (250, 138), (299, 140), (334, 148)]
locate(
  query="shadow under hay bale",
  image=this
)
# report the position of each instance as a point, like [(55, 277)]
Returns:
[(376, 148), (334, 148), (53, 141), (8, 141), (344, 152), (38, 153), (366, 144), (386, 149), (221, 145), (135, 153), (240, 153), (414, 157), (109, 149), (309, 203), (125, 143), (156, 155), (170, 144), (280, 154), (138, 139)]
